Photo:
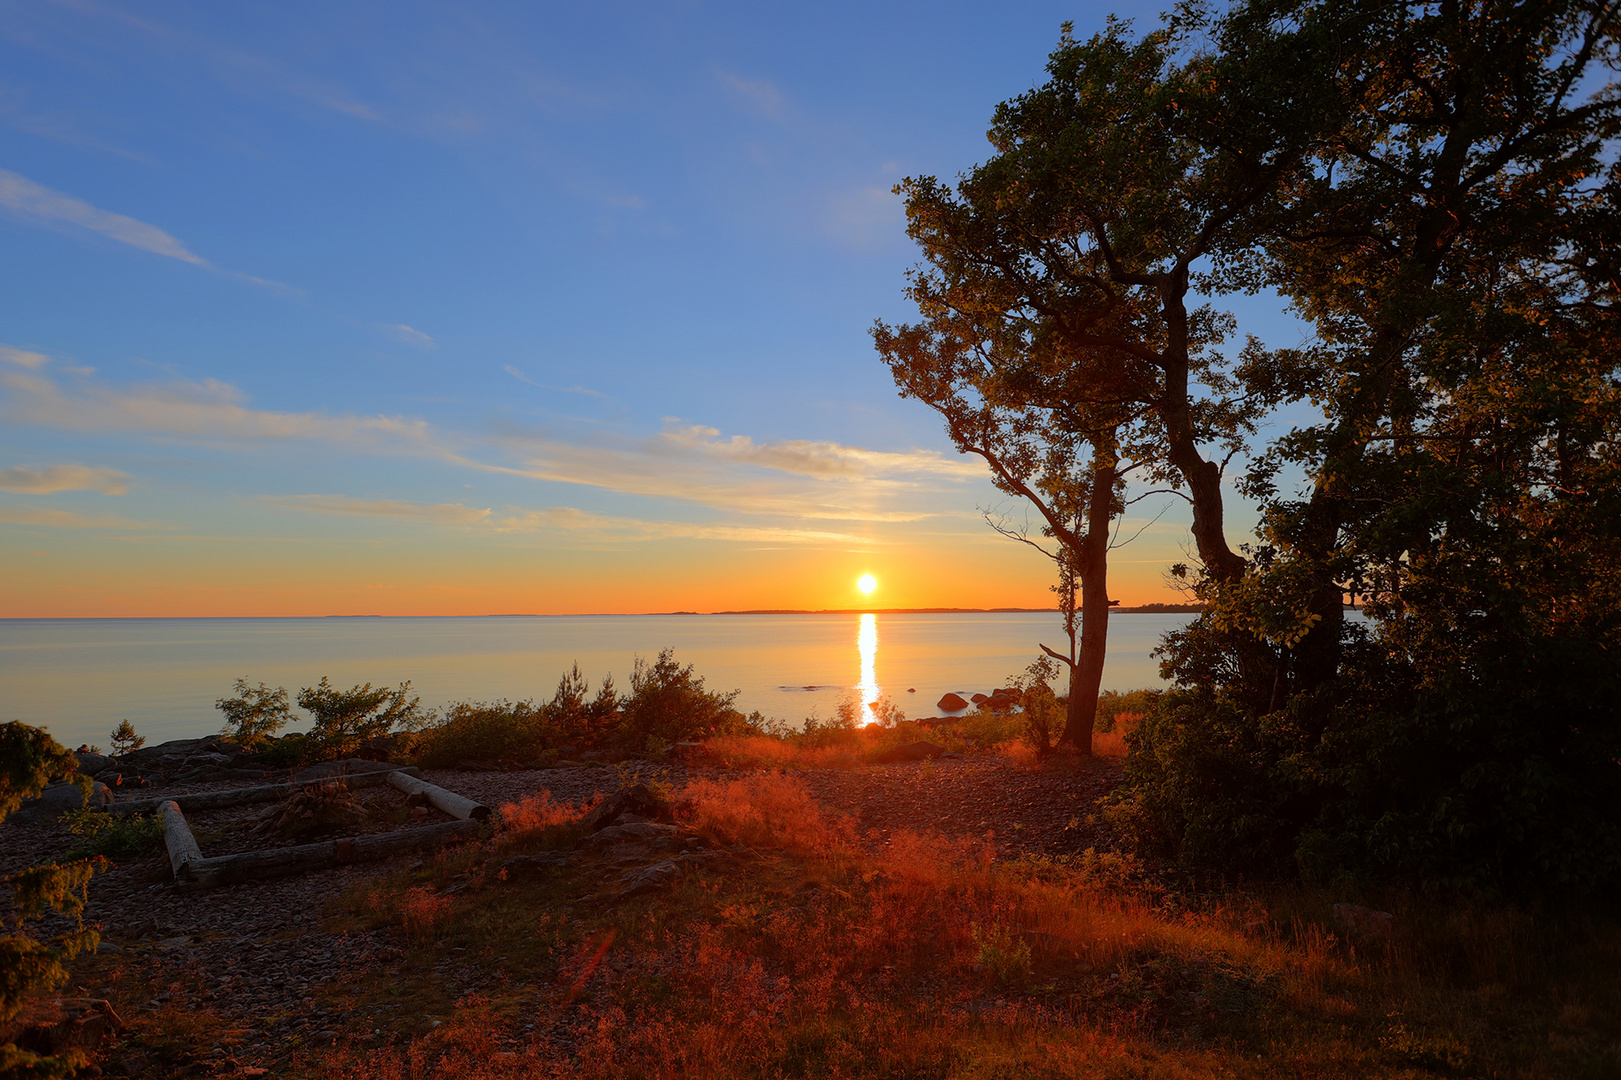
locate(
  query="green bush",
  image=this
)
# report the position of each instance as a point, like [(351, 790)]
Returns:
[(1113, 703), (668, 702), (1495, 777), (30, 759), (290, 751), (488, 732), (117, 836), (254, 715)]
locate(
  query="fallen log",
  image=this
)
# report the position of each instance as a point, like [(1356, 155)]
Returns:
[(183, 849), (214, 800), (458, 806), (282, 862)]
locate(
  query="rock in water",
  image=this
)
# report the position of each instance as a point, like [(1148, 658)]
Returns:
[(951, 703)]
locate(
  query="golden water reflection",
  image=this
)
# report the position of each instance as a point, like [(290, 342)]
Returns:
[(867, 643)]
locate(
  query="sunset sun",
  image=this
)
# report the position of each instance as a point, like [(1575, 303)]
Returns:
[(867, 583)]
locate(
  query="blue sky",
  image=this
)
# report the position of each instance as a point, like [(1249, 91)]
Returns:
[(413, 308)]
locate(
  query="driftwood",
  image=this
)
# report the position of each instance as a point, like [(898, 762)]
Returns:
[(183, 849), (457, 806), (281, 862), (214, 800)]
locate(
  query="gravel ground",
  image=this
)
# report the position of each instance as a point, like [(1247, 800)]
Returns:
[(255, 952)]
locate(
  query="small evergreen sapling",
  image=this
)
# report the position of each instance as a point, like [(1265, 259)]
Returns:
[(124, 739)]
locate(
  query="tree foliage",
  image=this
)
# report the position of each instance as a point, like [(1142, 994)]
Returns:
[(124, 740), (1451, 243), (30, 759), (254, 714), (1063, 338), (1434, 188)]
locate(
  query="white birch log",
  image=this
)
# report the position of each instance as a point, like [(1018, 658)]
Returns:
[(458, 806), (282, 862), (183, 849)]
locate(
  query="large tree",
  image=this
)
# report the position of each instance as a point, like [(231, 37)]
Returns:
[(1453, 243), (1064, 338)]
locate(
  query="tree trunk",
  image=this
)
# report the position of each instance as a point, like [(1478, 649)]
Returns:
[(1087, 674), (457, 806), (214, 800), (281, 862), (178, 839)]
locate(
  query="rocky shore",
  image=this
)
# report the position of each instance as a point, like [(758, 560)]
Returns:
[(256, 953)]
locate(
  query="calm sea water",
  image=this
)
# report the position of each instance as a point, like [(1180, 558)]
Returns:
[(79, 677)]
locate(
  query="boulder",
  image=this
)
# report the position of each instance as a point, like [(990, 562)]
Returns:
[(91, 763), (951, 703), (1364, 923), (328, 770), (636, 799), (58, 799), (648, 879), (916, 751), (979, 699)]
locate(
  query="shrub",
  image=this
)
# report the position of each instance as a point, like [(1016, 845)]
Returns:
[(290, 751), (668, 702), (488, 732), (1113, 704), (118, 836), (346, 718), (255, 714), (586, 723), (30, 759)]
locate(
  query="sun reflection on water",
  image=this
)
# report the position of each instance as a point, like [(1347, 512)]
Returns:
[(867, 643)]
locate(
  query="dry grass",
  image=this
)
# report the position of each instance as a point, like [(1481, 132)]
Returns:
[(772, 810), (762, 752), (805, 957)]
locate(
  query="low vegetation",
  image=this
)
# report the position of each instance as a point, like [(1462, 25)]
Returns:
[(802, 952)]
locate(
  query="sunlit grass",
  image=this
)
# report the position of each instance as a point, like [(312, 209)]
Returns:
[(801, 954)]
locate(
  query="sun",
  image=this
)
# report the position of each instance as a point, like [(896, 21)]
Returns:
[(866, 583)]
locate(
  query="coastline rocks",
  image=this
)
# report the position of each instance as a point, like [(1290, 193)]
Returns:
[(636, 799), (91, 763), (951, 703), (57, 800)]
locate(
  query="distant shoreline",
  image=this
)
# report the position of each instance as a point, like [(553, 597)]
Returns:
[(1145, 609)]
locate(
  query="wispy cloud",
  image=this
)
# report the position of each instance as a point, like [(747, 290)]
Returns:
[(33, 361), (407, 335), (592, 526), (40, 204), (209, 409), (49, 479), (792, 479), (757, 95), (43, 204), (521, 377), (438, 513), (811, 458), (796, 478), (67, 519)]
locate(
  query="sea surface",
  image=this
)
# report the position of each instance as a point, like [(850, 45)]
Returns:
[(80, 677)]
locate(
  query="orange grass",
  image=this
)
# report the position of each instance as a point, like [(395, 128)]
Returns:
[(762, 752), (929, 958), (422, 911), (764, 810)]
